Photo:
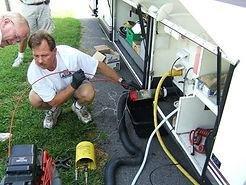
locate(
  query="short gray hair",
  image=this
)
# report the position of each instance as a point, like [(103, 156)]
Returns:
[(16, 17)]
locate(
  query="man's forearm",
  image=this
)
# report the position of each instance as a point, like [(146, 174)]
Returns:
[(108, 72), (62, 96)]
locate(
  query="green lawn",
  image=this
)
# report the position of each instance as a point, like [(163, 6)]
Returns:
[(26, 121)]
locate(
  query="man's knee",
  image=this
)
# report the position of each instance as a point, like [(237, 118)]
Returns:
[(35, 100), (85, 93)]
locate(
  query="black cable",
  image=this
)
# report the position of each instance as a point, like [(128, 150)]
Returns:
[(147, 55), (124, 109), (172, 71), (141, 21), (157, 168), (218, 76), (174, 64), (185, 78), (172, 128)]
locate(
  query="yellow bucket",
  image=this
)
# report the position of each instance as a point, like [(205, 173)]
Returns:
[(85, 155)]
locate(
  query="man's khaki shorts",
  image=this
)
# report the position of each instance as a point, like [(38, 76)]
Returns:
[(38, 17)]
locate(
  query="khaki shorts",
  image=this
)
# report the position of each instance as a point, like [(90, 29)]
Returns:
[(38, 17)]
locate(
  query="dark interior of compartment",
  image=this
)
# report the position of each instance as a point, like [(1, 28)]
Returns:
[(141, 111)]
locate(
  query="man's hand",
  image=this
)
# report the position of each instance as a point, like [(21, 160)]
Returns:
[(124, 84), (78, 78), (128, 85)]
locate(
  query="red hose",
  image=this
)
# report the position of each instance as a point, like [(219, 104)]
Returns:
[(196, 137)]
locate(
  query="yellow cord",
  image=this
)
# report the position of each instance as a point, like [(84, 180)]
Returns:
[(12, 121), (165, 149)]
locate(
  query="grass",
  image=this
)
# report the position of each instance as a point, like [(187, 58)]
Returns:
[(61, 141)]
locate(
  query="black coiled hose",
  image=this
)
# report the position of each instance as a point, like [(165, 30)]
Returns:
[(136, 154)]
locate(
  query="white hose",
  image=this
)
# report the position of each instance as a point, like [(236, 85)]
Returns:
[(148, 145)]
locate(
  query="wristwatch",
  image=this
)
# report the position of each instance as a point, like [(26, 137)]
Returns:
[(120, 80)]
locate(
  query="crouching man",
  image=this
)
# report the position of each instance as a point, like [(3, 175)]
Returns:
[(58, 73)]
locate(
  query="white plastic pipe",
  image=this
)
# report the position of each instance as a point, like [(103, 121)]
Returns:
[(148, 145)]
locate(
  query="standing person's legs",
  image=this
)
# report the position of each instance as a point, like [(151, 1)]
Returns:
[(20, 57), (38, 17), (44, 19), (29, 12)]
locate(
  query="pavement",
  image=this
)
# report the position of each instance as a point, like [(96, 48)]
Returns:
[(158, 169)]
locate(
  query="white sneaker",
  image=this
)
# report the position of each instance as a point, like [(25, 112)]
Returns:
[(51, 117), (82, 113), (18, 61)]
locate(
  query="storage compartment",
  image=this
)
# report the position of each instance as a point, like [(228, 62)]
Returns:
[(194, 115), (141, 114)]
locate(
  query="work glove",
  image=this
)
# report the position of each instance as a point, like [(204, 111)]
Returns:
[(78, 78), (18, 61)]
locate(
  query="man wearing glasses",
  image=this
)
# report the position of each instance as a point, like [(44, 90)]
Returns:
[(13, 28)]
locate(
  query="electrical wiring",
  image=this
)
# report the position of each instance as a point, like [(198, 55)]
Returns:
[(15, 110), (173, 65), (48, 168), (148, 146), (127, 97), (185, 78), (157, 168), (176, 104), (156, 130), (165, 149), (176, 60), (54, 74), (196, 139), (49, 163), (22, 95), (12, 121)]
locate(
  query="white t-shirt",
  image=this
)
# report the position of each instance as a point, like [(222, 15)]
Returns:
[(69, 60)]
